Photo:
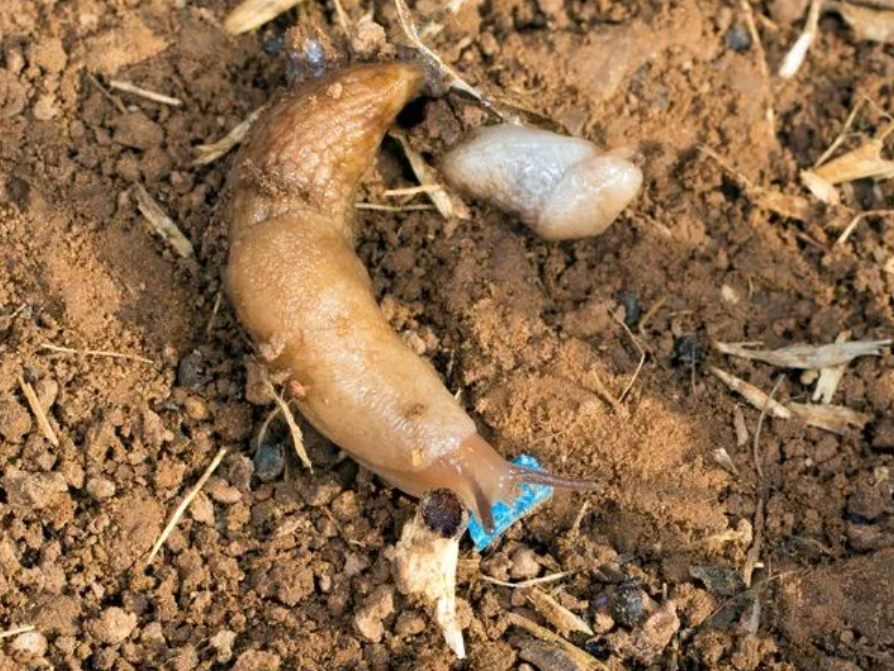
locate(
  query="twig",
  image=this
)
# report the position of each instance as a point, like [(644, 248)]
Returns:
[(102, 89), (294, 429), (651, 312), (423, 173), (412, 190), (15, 631), (553, 577), (95, 352), (842, 135), (127, 87), (846, 233), (761, 63), (161, 223), (214, 312), (393, 208), (582, 659), (639, 366), (343, 20), (409, 27), (754, 551), (750, 393), (204, 154), (184, 504), (38, 411)]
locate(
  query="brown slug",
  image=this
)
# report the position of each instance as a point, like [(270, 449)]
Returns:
[(308, 302)]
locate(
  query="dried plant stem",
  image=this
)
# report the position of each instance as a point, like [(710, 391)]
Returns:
[(294, 429), (161, 223), (95, 352), (754, 552), (102, 89), (208, 153), (639, 366), (184, 504), (412, 190), (393, 208), (851, 227), (581, 658), (15, 631), (127, 87), (42, 420), (542, 580)]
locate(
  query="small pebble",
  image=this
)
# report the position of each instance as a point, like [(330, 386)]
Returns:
[(114, 625), (598, 648), (269, 461), (688, 351), (100, 489), (202, 510), (633, 311), (222, 642), (191, 373), (196, 408), (524, 564), (409, 623), (33, 490), (629, 605), (223, 492), (15, 421), (30, 643), (257, 660), (738, 38), (378, 606)]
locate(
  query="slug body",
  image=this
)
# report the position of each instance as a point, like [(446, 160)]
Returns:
[(561, 187), (308, 302)]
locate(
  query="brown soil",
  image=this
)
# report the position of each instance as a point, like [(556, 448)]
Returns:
[(291, 573)]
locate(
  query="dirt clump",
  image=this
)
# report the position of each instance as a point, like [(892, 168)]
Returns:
[(590, 355)]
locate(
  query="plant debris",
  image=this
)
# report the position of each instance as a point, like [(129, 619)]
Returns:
[(250, 14), (161, 223), (807, 356), (752, 394), (834, 418), (204, 154), (425, 558), (563, 620)]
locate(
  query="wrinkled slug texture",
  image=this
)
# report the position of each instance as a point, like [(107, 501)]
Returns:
[(561, 187), (308, 302)]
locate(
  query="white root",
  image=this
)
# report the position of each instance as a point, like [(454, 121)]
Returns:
[(796, 55)]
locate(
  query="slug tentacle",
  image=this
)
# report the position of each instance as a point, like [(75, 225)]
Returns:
[(562, 187), (308, 302)]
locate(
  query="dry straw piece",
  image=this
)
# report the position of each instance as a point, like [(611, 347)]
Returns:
[(752, 394), (580, 658), (204, 154), (42, 420), (184, 504), (807, 356), (161, 223), (250, 14), (127, 87), (563, 620), (834, 418), (871, 23)]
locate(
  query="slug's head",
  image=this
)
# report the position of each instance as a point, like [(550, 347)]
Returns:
[(481, 477)]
